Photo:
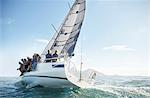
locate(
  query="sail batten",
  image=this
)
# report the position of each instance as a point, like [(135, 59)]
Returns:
[(65, 40)]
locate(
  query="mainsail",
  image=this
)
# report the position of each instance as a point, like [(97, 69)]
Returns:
[(64, 40)]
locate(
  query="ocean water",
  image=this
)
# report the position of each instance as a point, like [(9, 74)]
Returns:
[(105, 87)]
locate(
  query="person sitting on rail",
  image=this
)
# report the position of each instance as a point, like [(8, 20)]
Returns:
[(21, 68), (55, 55), (29, 64), (48, 57), (34, 61)]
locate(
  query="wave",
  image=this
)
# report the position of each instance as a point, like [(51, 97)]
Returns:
[(104, 88)]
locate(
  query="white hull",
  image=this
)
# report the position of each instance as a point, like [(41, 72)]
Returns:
[(47, 75), (58, 75)]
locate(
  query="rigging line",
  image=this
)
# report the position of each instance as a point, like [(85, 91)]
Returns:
[(81, 59), (50, 42), (69, 5), (56, 36), (54, 28), (81, 56)]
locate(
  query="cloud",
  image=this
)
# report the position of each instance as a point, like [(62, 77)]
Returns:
[(45, 41), (119, 48), (10, 21), (7, 21)]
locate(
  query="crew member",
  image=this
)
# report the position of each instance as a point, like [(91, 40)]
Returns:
[(48, 57), (55, 55)]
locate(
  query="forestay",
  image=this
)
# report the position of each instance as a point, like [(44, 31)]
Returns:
[(64, 40)]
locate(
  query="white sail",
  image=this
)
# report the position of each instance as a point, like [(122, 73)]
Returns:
[(65, 39)]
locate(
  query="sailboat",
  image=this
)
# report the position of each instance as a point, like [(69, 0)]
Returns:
[(61, 74)]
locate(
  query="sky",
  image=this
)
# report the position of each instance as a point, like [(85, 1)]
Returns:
[(114, 36)]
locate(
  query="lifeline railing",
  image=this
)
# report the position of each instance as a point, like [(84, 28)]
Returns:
[(61, 58)]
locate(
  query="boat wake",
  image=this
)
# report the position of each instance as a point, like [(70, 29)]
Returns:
[(121, 86), (126, 91), (114, 92), (123, 89), (106, 86)]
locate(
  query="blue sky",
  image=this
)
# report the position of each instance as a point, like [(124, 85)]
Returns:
[(114, 33)]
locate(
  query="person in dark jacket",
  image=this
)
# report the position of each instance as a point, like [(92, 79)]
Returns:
[(55, 55), (48, 57), (21, 68)]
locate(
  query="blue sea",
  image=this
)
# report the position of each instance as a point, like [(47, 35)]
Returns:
[(105, 87)]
